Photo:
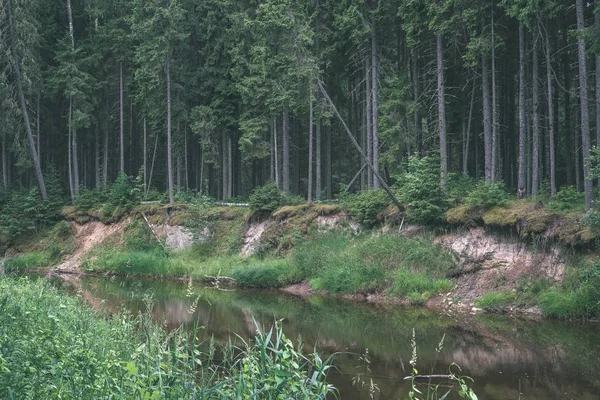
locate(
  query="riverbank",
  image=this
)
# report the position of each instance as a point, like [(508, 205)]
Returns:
[(322, 249)]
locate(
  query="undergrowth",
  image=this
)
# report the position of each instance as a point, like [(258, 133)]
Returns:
[(65, 350)]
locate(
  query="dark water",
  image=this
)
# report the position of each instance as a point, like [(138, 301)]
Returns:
[(508, 358)]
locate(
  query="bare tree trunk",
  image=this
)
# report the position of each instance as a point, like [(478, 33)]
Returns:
[(286, 150), (597, 25), (441, 112), (467, 134), (37, 126), (369, 106), (417, 114), (75, 164), (145, 155), (169, 139), (224, 165), (229, 167), (494, 156), (185, 156), (310, 148), (149, 185), (535, 151), (550, 115), (585, 113), (70, 151), (276, 155), (121, 118), (328, 164), (521, 180), (105, 160), (178, 170), (318, 166), (487, 120), (4, 164), (374, 110), (98, 178)]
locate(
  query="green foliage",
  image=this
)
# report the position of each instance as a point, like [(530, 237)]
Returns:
[(264, 274), (485, 196), (128, 262), (25, 212), (496, 301), (366, 205), (578, 298), (89, 198), (340, 264), (63, 349), (122, 196), (269, 198), (26, 261), (421, 192), (567, 199)]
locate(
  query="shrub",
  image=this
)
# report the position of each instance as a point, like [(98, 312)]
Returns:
[(485, 196), (121, 198), (89, 198), (418, 286), (266, 198), (567, 199), (269, 198), (365, 206), (422, 192)]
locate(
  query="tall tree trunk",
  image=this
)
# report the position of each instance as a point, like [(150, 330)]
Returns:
[(37, 126), (441, 112), (276, 155), (494, 159), (597, 25), (374, 110), (521, 180), (328, 163), (550, 96), (224, 165), (185, 156), (169, 139), (467, 134), (121, 116), (585, 113), (145, 155), (75, 164), (310, 148), (70, 152), (369, 111), (535, 150), (4, 164), (286, 150), (487, 119), (417, 114), (105, 160), (229, 167), (149, 185), (318, 172), (98, 178)]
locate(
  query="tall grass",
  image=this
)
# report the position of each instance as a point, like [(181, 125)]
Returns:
[(65, 350)]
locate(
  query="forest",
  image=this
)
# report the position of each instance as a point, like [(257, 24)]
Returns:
[(222, 96)]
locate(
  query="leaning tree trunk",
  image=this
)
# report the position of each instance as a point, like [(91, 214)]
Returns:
[(585, 113), (550, 96), (521, 180), (535, 150), (441, 112), (169, 139)]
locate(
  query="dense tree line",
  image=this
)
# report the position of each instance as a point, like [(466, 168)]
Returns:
[(221, 96)]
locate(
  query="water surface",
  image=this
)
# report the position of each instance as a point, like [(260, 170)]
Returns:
[(509, 358)]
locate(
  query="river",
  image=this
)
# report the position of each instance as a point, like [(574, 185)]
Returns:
[(508, 358)]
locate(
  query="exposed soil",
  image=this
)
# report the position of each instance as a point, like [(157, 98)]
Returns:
[(252, 237), (489, 263), (86, 237)]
